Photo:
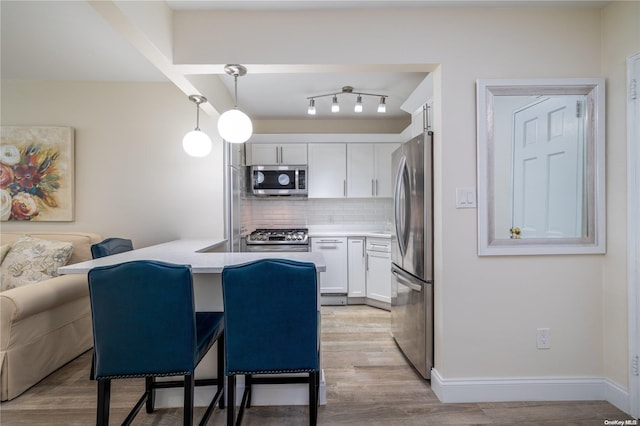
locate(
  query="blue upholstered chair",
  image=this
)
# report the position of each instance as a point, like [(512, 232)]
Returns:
[(111, 246), (104, 248), (145, 325), (271, 327)]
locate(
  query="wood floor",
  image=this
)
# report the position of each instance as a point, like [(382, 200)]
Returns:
[(368, 383)]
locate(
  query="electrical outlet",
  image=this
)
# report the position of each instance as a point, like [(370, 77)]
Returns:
[(543, 338)]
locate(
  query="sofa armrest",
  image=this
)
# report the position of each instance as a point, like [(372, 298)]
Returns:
[(22, 302)]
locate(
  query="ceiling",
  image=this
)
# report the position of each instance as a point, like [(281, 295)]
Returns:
[(70, 40)]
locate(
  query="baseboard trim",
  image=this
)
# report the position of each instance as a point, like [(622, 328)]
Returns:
[(529, 389)]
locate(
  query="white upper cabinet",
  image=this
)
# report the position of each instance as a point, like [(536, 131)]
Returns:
[(369, 169), (276, 154), (360, 170), (327, 170), (384, 173)]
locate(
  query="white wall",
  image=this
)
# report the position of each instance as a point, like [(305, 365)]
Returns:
[(487, 309), (133, 179)]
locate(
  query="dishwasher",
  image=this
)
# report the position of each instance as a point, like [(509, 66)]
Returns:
[(334, 281)]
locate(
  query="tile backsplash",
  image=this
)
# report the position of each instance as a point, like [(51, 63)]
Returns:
[(304, 212)]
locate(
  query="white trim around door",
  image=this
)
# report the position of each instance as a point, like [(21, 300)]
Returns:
[(633, 229)]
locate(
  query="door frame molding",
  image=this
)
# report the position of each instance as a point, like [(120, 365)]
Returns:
[(633, 229)]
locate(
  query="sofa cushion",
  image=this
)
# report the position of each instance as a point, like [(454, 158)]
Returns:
[(81, 241), (4, 249), (32, 260)]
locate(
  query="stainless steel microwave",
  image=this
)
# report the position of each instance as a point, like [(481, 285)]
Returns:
[(279, 180)]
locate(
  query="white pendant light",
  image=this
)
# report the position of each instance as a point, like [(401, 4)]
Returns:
[(234, 125), (196, 143)]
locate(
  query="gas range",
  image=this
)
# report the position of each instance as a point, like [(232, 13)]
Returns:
[(278, 240), (278, 236)]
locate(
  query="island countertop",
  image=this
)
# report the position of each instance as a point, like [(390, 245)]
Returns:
[(199, 253)]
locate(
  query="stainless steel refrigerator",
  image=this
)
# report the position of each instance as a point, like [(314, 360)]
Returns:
[(412, 252)]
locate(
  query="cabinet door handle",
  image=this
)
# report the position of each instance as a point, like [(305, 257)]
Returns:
[(330, 241), (373, 187), (344, 187), (376, 187)]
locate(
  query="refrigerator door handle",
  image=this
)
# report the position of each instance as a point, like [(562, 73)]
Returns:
[(402, 280), (401, 208)]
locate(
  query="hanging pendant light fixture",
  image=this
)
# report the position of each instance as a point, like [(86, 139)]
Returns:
[(196, 143), (234, 125)]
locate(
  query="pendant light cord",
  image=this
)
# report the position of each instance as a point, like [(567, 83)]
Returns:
[(235, 79), (197, 116)]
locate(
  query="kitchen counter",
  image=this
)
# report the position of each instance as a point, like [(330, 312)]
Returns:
[(203, 255), (348, 231)]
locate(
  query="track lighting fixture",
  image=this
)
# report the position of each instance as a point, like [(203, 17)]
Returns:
[(234, 125), (196, 143), (335, 106)]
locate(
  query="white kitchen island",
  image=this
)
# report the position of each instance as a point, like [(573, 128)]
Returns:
[(207, 261)]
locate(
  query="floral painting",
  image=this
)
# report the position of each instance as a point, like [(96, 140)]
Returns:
[(36, 173)]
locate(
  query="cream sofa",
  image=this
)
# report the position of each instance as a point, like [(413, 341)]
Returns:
[(47, 324)]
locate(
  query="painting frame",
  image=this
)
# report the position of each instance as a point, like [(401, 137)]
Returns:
[(37, 173)]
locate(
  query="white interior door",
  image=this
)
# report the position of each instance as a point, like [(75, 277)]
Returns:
[(548, 167)]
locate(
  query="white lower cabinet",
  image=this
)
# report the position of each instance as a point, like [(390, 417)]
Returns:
[(379, 269), (334, 250), (357, 266)]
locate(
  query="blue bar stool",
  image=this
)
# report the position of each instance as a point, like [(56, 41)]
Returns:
[(145, 325), (271, 327), (110, 246), (104, 248)]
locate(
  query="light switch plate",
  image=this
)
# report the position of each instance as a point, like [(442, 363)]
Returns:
[(465, 198)]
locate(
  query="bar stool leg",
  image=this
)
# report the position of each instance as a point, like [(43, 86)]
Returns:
[(231, 399), (104, 395), (188, 399)]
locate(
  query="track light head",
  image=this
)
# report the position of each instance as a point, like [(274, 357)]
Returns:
[(382, 106)]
